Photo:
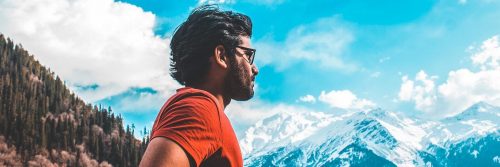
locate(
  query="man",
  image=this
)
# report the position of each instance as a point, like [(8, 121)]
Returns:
[(212, 57)]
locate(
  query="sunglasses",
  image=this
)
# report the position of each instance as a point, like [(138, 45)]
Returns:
[(249, 52)]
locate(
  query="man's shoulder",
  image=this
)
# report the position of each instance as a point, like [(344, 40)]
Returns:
[(192, 99), (192, 92), (194, 95)]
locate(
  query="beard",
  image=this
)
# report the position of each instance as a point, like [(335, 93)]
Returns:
[(238, 82)]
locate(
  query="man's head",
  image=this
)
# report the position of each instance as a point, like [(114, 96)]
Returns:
[(214, 46)]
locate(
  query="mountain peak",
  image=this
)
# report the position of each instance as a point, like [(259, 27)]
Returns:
[(378, 112), (480, 110), (481, 106)]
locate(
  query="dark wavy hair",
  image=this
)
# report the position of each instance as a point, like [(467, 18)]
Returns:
[(194, 41)]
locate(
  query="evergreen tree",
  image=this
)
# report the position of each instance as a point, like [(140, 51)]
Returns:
[(42, 119)]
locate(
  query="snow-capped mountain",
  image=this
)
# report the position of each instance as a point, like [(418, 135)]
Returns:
[(373, 138), (479, 111), (478, 120)]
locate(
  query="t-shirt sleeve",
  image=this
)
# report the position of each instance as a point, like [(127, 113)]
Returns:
[(194, 124)]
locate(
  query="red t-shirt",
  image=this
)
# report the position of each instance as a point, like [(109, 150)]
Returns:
[(193, 119)]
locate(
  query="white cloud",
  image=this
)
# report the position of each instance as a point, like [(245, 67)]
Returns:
[(322, 43), (488, 56), (308, 99), (345, 99), (111, 44), (462, 88), (422, 91)]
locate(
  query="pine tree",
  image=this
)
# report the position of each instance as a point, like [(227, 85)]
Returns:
[(40, 116)]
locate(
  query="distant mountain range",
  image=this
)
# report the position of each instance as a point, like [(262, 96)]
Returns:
[(375, 138)]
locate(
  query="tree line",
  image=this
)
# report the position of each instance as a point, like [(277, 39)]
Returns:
[(43, 123)]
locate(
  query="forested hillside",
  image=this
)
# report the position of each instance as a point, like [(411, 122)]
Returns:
[(42, 123)]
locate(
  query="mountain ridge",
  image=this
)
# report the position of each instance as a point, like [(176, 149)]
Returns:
[(394, 137)]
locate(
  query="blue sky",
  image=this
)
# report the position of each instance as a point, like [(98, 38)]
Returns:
[(425, 58)]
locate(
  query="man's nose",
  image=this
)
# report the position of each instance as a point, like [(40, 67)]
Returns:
[(255, 70)]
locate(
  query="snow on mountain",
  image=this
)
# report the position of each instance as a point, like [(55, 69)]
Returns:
[(284, 128), (478, 120), (480, 111), (318, 139), (386, 134)]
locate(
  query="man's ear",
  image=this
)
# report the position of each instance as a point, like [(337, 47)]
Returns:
[(220, 56)]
